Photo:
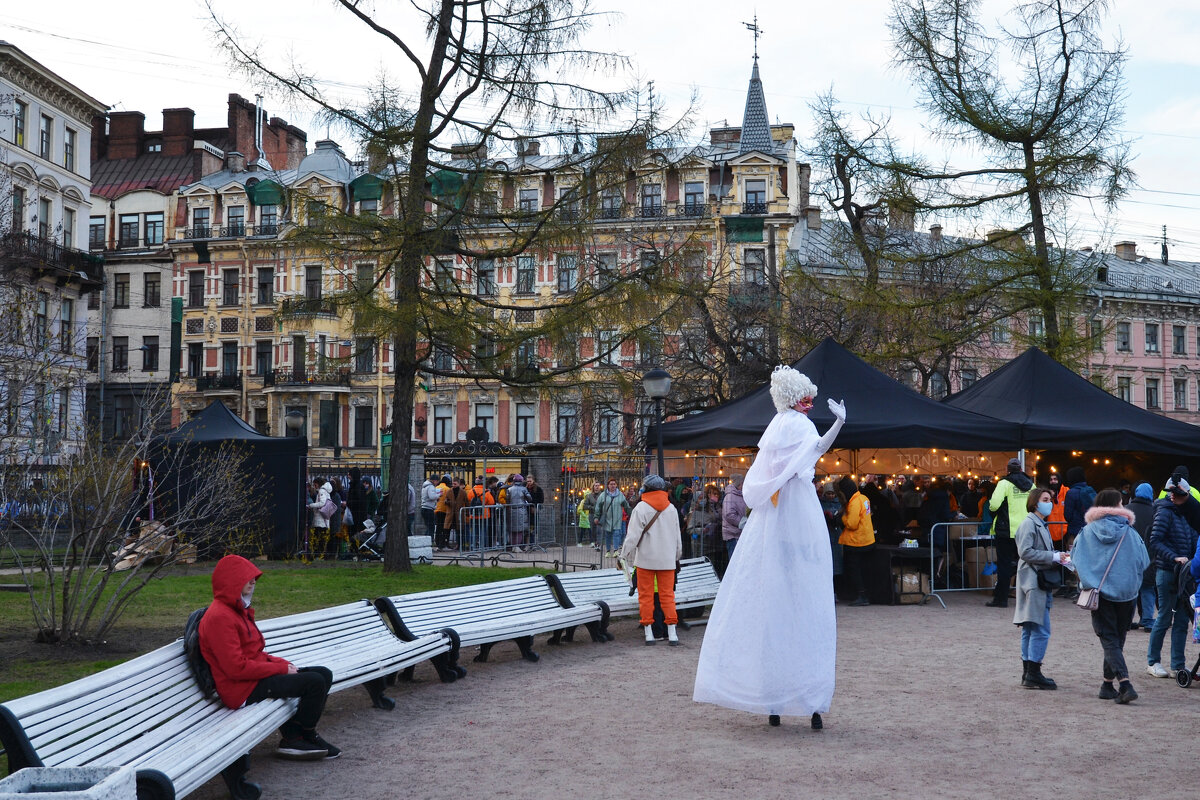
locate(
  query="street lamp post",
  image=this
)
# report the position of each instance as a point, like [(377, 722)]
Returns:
[(657, 383)]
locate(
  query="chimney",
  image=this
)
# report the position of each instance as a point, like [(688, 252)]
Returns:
[(935, 233), (901, 217), (126, 132), (178, 129), (235, 161), (290, 144), (470, 152), (1126, 251), (99, 137), (805, 171), (1008, 240), (528, 147), (812, 217)]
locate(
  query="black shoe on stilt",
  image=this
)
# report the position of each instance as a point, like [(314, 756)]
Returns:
[(817, 724), (773, 720)]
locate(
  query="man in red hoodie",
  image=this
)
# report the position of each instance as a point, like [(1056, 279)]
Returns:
[(233, 647)]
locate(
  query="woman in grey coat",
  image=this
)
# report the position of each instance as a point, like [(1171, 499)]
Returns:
[(1036, 551)]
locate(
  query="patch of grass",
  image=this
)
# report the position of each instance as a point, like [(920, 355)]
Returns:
[(157, 615)]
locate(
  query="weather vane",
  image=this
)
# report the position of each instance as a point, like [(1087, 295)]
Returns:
[(757, 31)]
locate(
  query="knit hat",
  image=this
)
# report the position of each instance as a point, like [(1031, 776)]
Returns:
[(1014, 465), (1178, 487), (653, 483), (518, 478), (1144, 491)]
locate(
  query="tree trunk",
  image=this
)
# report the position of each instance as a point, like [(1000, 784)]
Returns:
[(1041, 252)]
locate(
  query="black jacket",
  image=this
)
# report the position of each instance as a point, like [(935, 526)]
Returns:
[(1171, 534)]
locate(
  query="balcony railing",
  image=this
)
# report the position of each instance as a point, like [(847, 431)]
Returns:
[(609, 213), (265, 229), (754, 208), (207, 383), (306, 377), (198, 232), (35, 251), (234, 231), (525, 284), (692, 210), (307, 306), (650, 211)]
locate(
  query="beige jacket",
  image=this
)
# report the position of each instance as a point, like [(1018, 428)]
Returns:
[(661, 547)]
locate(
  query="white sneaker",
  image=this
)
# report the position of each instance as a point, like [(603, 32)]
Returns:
[(1158, 670)]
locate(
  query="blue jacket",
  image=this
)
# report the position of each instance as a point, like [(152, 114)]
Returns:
[(1079, 499), (1171, 536), (1094, 549)]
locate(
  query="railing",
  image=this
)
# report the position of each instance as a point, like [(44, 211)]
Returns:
[(265, 229), (609, 213), (233, 231), (300, 306), (206, 383), (525, 284), (651, 211), (303, 377), (15, 247), (754, 208), (198, 232)]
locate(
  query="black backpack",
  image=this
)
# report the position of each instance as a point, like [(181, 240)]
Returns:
[(191, 646)]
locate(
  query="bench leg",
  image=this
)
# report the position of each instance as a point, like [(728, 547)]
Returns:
[(596, 629), (556, 637), (235, 779), (375, 688), (405, 675), (525, 643), (484, 651)]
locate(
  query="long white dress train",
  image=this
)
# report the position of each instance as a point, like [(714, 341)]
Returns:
[(770, 644)]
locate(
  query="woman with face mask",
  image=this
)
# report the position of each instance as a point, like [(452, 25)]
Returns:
[(1035, 547)]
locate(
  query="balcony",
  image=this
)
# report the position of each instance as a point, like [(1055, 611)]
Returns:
[(609, 213), (234, 231), (754, 208), (307, 307), (36, 252), (692, 210), (650, 211), (198, 232), (230, 382), (265, 229), (750, 295), (303, 377)]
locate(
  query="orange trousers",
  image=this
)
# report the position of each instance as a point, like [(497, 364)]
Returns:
[(666, 594)]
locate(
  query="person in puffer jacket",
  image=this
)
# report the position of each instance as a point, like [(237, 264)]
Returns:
[(1172, 542), (243, 673)]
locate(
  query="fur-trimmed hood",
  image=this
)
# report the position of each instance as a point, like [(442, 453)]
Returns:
[(1100, 512)]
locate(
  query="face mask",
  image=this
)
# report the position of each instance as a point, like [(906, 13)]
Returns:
[(1045, 507)]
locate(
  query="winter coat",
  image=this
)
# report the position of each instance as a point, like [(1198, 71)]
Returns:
[(704, 526), (608, 511), (733, 510), (518, 508), (537, 495), (323, 494), (857, 530), (1036, 550), (1171, 536), (1013, 487), (1057, 521), (1078, 500), (660, 547), (454, 498), (440, 505), (430, 495), (1093, 550), (229, 640), (587, 504), (1143, 518)]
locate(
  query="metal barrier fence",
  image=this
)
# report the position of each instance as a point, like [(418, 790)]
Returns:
[(963, 557)]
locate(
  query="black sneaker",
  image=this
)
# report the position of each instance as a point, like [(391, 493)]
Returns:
[(1127, 694), (301, 750), (314, 738), (1107, 692)]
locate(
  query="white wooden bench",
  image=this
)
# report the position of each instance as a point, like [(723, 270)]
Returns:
[(488, 613), (696, 585), (150, 713)]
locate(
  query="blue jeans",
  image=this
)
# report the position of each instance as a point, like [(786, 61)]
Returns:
[(613, 539), (1035, 636), (1147, 602), (729, 545), (1169, 614)]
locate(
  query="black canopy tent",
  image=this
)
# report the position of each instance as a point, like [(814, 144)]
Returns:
[(881, 413), (1056, 409), (280, 461)]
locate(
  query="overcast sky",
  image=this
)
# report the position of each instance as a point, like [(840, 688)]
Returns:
[(149, 56)]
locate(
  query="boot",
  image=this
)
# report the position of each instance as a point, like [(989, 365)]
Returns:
[(773, 720), (1034, 679), (649, 634), (672, 636), (1024, 672), (861, 601), (816, 722)]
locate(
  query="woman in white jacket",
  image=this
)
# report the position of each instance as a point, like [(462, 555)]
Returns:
[(319, 536), (654, 547)]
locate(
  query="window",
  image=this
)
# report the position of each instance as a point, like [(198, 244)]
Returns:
[(968, 378), (526, 416), (528, 201), (568, 203), (485, 417), (1000, 332), (1181, 393), (694, 269), (154, 147), (693, 198), (200, 220), (485, 351), (229, 359), (18, 209), (1124, 339), (1179, 340), (526, 274), (649, 260), (120, 354), (610, 204), (64, 410), (96, 233), (195, 359), (1037, 328), (195, 288), (364, 279), (68, 231), (1097, 333), (127, 230), (229, 287), (608, 427), (443, 359), (485, 277), (69, 149), (443, 424), (1125, 389), (263, 357), (261, 423), (149, 354), (652, 200), (44, 129), (312, 283), (66, 325), (364, 355), (1151, 337), (93, 300), (268, 220), (364, 426), (938, 387), (754, 265), (368, 207), (93, 354), (756, 196), (1152, 399), (121, 290), (302, 431), (154, 229), (607, 347), (41, 328), (568, 273), (443, 275), (606, 270), (151, 290), (568, 423), (122, 416), (19, 118), (44, 218), (266, 285), (235, 221)]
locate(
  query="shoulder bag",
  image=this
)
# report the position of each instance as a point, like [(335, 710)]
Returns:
[(1089, 599), (1049, 579)]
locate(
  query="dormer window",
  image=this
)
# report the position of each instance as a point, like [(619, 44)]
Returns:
[(370, 207)]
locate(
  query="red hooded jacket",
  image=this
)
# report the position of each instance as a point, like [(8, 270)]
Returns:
[(229, 640)]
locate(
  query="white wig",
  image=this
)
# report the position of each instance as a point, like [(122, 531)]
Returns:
[(789, 387)]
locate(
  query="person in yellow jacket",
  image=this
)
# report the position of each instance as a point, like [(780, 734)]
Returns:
[(857, 539)]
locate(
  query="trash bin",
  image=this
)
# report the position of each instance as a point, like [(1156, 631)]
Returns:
[(70, 783)]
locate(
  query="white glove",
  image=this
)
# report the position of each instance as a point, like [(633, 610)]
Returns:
[(839, 418), (838, 409)]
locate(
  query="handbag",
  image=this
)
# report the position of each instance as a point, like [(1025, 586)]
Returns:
[(1049, 579), (1089, 599), (328, 509)]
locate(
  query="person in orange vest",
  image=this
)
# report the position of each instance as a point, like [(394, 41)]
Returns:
[(1057, 521), (478, 515)]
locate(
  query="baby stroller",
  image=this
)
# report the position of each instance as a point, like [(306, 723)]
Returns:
[(1186, 586), (371, 540)]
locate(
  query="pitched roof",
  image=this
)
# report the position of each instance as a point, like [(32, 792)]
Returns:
[(756, 124), (112, 178)]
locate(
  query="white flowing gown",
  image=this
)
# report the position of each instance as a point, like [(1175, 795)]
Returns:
[(770, 644)]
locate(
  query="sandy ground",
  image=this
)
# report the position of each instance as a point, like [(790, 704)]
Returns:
[(928, 705)]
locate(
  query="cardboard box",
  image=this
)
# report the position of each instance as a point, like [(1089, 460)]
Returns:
[(909, 585)]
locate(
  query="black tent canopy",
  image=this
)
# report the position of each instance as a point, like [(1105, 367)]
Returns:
[(280, 460), (880, 413), (1057, 409)]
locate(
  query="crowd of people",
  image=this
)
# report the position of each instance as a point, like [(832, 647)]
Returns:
[(499, 514)]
